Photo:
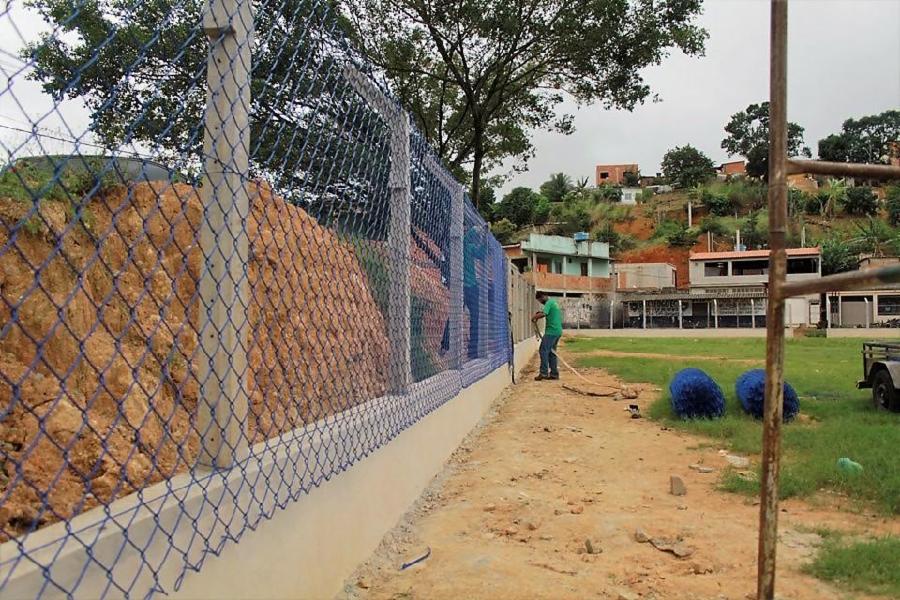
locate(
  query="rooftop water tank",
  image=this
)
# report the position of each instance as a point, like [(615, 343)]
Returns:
[(581, 236)]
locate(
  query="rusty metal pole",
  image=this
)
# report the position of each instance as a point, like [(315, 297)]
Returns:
[(768, 513)]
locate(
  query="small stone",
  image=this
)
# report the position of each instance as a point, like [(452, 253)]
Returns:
[(591, 548), (577, 510), (682, 507), (363, 584), (739, 462), (570, 460), (699, 569), (557, 512), (625, 595), (682, 551), (511, 530), (546, 538), (490, 508), (641, 536), (676, 486), (701, 469), (532, 525)]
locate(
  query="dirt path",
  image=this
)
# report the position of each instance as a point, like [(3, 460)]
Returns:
[(550, 469), (653, 355)]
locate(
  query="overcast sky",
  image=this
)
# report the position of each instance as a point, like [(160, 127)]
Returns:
[(844, 61)]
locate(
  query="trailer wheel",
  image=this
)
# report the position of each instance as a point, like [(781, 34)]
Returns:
[(884, 396)]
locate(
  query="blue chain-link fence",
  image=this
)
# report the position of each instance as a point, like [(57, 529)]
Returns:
[(229, 269)]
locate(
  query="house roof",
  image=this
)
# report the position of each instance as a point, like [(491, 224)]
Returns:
[(753, 254)]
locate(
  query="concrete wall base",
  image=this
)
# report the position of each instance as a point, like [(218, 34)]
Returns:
[(308, 549)]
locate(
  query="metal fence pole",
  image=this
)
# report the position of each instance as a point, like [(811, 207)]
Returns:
[(774, 382), (483, 296), (457, 310), (644, 314), (224, 285)]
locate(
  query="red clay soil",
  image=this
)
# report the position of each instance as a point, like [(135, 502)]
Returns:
[(99, 368), (639, 227)]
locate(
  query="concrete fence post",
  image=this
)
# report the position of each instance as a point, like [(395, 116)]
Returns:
[(680, 316), (752, 313), (716, 311), (644, 314), (457, 304), (224, 243), (399, 228)]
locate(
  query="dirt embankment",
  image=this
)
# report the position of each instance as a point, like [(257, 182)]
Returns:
[(98, 349)]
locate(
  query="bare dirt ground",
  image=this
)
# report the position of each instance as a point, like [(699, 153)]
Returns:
[(549, 470)]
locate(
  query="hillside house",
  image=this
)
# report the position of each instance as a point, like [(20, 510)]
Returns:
[(615, 174), (562, 265)]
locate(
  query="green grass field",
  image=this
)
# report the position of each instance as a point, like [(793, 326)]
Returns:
[(868, 566), (839, 419)]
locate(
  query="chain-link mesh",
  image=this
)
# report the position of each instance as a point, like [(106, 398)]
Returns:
[(229, 269)]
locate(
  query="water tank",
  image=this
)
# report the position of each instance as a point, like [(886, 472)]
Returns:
[(582, 236)]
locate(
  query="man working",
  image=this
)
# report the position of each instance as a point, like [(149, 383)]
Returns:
[(552, 333)]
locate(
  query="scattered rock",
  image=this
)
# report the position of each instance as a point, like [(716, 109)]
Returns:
[(739, 462), (626, 595), (641, 536), (701, 469), (532, 525), (546, 538), (577, 510), (591, 548), (490, 508), (571, 460), (698, 569), (676, 486), (677, 548), (363, 584), (682, 507), (557, 512), (511, 530)]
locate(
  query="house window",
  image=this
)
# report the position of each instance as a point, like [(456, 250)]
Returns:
[(888, 305), (802, 265), (750, 267), (715, 269), (584, 269), (604, 174)]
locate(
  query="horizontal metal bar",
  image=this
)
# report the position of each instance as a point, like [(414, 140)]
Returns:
[(821, 167), (843, 282)]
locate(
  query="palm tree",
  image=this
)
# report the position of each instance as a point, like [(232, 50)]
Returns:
[(834, 195), (582, 183), (556, 188), (874, 237)]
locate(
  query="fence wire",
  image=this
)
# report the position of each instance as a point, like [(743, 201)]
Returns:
[(229, 269)]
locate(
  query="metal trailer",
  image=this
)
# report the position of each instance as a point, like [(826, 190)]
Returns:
[(881, 374)]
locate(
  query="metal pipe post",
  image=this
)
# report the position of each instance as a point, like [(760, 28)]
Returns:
[(774, 400), (644, 313)]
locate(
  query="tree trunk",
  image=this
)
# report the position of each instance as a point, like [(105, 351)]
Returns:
[(477, 157)]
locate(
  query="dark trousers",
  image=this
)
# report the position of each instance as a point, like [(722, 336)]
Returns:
[(473, 303), (547, 351)]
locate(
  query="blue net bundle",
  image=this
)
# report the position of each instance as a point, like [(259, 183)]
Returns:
[(695, 395), (750, 389)]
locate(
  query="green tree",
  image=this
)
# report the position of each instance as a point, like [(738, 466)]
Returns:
[(686, 166), (518, 206), (717, 203), (504, 230), (631, 178), (479, 76), (489, 206), (541, 210), (608, 193), (555, 188), (837, 256), (860, 201), (572, 215), (748, 136), (892, 200), (864, 140), (713, 225), (675, 233), (617, 242), (874, 237), (754, 234)]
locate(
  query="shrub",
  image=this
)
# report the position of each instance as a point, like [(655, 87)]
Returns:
[(717, 204), (675, 233), (892, 199), (713, 225), (860, 201), (504, 230)]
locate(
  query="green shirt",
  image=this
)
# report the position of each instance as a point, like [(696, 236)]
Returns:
[(554, 318)]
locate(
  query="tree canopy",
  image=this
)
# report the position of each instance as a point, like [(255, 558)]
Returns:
[(748, 136), (478, 76), (868, 139), (686, 166)]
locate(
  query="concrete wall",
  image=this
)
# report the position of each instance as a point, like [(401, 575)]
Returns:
[(306, 550), (311, 547)]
